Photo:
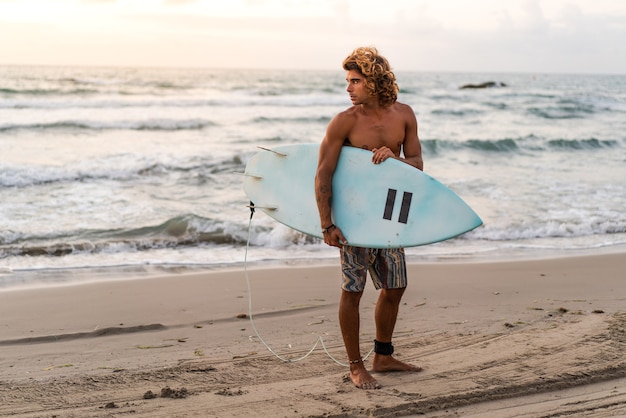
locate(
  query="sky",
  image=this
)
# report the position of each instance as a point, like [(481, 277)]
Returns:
[(537, 36)]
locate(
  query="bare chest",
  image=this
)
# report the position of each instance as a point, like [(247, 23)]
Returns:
[(370, 134)]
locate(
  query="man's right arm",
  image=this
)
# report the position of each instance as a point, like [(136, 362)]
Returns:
[(330, 148)]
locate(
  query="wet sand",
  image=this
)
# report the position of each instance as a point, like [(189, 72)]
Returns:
[(531, 338)]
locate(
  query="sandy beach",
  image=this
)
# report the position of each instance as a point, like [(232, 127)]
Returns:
[(525, 338)]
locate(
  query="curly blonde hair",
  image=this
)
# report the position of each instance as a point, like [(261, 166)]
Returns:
[(380, 81)]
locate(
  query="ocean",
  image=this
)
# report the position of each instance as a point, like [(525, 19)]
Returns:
[(139, 169)]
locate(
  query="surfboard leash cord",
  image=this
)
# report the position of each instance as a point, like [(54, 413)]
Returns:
[(318, 341)]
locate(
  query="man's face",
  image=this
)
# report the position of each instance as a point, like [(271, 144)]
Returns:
[(356, 88)]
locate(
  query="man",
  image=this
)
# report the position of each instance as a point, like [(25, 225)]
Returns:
[(376, 122)]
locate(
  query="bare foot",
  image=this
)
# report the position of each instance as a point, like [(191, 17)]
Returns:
[(361, 377), (382, 363)]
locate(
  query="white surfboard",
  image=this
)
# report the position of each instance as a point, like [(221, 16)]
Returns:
[(387, 205)]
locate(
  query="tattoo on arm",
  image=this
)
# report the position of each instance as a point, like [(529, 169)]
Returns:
[(323, 190)]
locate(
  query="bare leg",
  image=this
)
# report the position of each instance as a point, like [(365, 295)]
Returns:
[(385, 315), (349, 321)]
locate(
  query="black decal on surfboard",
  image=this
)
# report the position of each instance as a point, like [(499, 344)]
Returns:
[(404, 209), (391, 200)]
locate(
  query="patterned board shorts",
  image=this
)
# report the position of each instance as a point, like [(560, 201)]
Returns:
[(387, 268)]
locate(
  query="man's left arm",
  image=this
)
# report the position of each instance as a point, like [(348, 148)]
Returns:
[(412, 148)]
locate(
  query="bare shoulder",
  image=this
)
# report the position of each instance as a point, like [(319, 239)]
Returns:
[(404, 109), (347, 114), (343, 120)]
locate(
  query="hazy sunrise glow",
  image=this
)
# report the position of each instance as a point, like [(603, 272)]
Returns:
[(428, 35)]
